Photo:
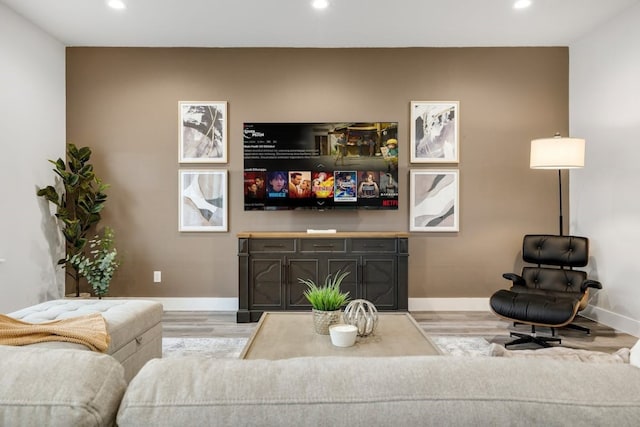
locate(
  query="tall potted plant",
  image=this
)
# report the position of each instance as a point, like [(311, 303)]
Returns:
[(79, 204), (326, 300)]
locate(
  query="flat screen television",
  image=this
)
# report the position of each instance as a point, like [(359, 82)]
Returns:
[(320, 166)]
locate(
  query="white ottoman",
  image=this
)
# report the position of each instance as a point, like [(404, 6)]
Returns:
[(135, 326)]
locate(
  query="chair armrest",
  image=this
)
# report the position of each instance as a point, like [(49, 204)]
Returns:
[(590, 284), (517, 280)]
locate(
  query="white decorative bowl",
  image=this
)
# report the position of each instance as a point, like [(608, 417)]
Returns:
[(361, 314), (343, 335)]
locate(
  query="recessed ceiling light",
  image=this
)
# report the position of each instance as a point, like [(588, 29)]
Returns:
[(522, 4), (320, 4), (116, 4)]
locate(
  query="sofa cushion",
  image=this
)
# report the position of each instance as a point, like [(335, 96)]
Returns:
[(634, 354), (418, 390), (58, 387)]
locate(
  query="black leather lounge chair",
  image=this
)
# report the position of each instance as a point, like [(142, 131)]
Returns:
[(549, 294)]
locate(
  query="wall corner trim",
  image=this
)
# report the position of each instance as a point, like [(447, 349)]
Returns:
[(614, 320)]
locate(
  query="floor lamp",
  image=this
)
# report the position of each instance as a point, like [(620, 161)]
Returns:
[(557, 153)]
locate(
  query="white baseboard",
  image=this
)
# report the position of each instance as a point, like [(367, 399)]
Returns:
[(449, 304), (614, 320), (196, 304)]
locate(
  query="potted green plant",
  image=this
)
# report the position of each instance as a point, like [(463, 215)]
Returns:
[(101, 263), (79, 204), (326, 300)]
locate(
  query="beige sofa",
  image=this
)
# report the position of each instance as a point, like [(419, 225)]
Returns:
[(54, 387), (402, 391)]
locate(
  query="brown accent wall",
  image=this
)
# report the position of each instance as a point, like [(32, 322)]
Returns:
[(123, 102)]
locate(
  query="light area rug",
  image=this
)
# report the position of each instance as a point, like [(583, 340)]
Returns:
[(232, 347), (462, 346), (208, 347)]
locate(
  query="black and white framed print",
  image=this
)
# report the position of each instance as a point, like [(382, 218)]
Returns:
[(203, 200), (434, 200), (434, 131), (203, 132)]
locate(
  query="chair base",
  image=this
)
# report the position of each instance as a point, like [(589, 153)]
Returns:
[(578, 328), (569, 326), (526, 338)]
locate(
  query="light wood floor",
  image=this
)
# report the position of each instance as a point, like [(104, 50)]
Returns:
[(199, 324)]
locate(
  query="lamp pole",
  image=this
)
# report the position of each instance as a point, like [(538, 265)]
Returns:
[(560, 193)]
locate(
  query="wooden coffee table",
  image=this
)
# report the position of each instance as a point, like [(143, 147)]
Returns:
[(283, 335)]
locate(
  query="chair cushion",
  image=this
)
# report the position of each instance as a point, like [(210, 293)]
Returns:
[(570, 251), (553, 279), (547, 292), (536, 309)]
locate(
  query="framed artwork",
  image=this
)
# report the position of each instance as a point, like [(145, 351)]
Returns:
[(434, 131), (202, 200), (434, 200), (203, 132)]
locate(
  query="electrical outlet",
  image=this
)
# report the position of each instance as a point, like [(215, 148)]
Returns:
[(157, 276)]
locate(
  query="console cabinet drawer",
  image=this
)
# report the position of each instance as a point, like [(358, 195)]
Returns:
[(323, 245), (272, 245), (374, 245)]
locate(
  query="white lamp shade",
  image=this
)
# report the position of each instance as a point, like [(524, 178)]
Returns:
[(557, 153)]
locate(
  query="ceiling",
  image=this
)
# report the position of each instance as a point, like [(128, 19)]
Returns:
[(294, 23)]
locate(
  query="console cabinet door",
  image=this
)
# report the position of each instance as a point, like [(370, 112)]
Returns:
[(300, 268), (317, 268), (345, 264), (379, 281), (265, 278)]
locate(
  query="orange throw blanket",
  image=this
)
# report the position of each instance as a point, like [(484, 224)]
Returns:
[(89, 330)]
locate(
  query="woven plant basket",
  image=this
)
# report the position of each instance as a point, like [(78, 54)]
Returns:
[(323, 319)]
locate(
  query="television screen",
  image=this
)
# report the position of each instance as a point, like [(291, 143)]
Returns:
[(320, 166)]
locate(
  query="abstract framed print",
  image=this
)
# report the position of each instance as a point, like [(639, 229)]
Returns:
[(203, 132), (203, 200), (434, 200), (435, 132)]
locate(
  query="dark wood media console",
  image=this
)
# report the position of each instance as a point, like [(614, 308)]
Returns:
[(270, 264)]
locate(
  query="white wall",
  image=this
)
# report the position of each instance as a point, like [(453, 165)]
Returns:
[(32, 130), (605, 196)]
